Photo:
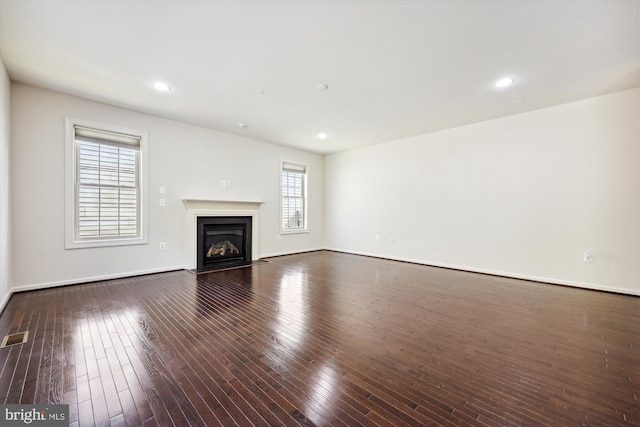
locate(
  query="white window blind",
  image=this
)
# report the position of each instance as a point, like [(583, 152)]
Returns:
[(293, 196), (107, 185)]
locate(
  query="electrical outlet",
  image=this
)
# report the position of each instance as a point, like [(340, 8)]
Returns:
[(163, 245), (377, 237), (163, 190), (163, 202), (393, 240), (587, 256)]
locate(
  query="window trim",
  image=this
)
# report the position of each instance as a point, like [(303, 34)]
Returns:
[(304, 229), (70, 189)]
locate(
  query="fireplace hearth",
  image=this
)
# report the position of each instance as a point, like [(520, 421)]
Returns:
[(223, 242)]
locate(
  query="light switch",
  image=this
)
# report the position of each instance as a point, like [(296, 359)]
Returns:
[(163, 202)]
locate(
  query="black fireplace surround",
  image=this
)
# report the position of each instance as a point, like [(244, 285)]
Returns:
[(223, 242)]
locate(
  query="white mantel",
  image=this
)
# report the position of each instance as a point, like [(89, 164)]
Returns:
[(201, 207)]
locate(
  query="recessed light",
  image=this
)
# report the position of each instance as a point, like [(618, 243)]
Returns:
[(504, 82), (162, 87), (322, 135)]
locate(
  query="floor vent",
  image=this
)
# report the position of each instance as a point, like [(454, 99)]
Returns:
[(15, 339)]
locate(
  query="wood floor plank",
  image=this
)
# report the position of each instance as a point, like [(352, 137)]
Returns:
[(129, 411), (85, 414), (71, 398), (142, 405), (326, 339)]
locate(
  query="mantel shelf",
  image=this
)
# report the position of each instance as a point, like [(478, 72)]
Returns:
[(220, 204)]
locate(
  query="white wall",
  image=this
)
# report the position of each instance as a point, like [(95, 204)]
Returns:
[(188, 160), (5, 194), (522, 196)]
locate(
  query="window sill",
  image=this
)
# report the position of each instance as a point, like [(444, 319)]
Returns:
[(84, 244), (300, 231)]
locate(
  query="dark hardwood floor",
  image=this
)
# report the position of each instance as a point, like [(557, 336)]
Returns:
[(326, 339)]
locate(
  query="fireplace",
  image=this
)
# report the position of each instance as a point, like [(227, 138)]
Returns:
[(208, 208), (223, 241)]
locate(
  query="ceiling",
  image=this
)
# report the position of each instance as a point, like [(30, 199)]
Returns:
[(394, 69)]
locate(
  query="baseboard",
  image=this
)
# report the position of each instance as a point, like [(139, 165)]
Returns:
[(547, 280), (5, 301), (83, 280), (299, 251)]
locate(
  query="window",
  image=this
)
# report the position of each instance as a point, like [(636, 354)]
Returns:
[(293, 205), (104, 185)]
